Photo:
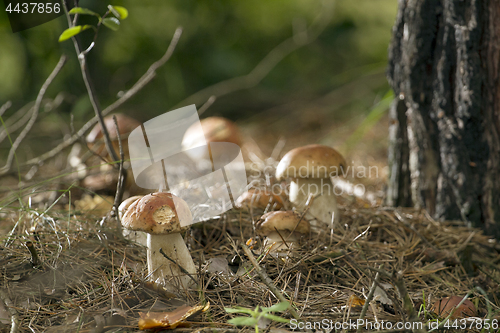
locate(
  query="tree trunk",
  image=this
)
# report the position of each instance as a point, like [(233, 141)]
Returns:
[(444, 154)]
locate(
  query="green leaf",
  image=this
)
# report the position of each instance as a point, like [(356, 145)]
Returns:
[(73, 31), (243, 321), (119, 11), (275, 318), (239, 309), (279, 307), (111, 22), (83, 11)]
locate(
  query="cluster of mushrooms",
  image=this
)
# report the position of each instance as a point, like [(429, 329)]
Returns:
[(155, 218)]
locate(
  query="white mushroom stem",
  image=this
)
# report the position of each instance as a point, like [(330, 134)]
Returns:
[(276, 241), (324, 207), (164, 270)]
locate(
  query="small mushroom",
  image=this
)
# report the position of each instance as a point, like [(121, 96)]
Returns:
[(282, 230), (215, 129), (310, 169), (126, 125), (258, 198), (448, 305), (160, 215)]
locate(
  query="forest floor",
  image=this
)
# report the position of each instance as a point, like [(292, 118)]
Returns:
[(67, 269)]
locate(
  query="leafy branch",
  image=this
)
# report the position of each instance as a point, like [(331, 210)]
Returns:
[(257, 314), (112, 23)]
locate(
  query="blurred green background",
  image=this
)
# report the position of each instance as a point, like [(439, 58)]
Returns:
[(336, 78)]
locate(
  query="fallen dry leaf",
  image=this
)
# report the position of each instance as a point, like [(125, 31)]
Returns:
[(446, 305), (355, 301), (169, 320)]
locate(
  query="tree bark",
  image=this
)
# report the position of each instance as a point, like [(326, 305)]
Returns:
[(444, 153)]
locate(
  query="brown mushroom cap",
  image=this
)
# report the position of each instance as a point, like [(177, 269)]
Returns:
[(312, 161), (126, 204), (156, 213), (258, 198), (446, 305), (282, 221), (215, 129)]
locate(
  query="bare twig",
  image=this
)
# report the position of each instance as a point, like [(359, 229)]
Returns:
[(379, 271), (270, 61), (122, 175), (369, 297), (207, 104), (183, 270), (34, 115), (5, 107), (407, 303), (267, 281), (23, 115), (141, 83)]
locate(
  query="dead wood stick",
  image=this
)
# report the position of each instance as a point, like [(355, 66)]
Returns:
[(141, 83), (267, 281), (34, 115), (122, 174), (369, 297), (383, 272), (90, 86), (5, 107), (207, 104)]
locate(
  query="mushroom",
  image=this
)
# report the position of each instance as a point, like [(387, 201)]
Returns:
[(215, 129), (282, 226), (126, 204), (259, 198), (448, 305), (139, 237), (310, 169), (161, 215), (126, 125)]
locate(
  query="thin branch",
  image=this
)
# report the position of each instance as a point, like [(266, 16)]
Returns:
[(34, 115), (273, 58), (207, 104), (141, 83), (121, 175), (90, 86), (5, 107), (267, 281), (369, 297), (23, 115), (405, 297)]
